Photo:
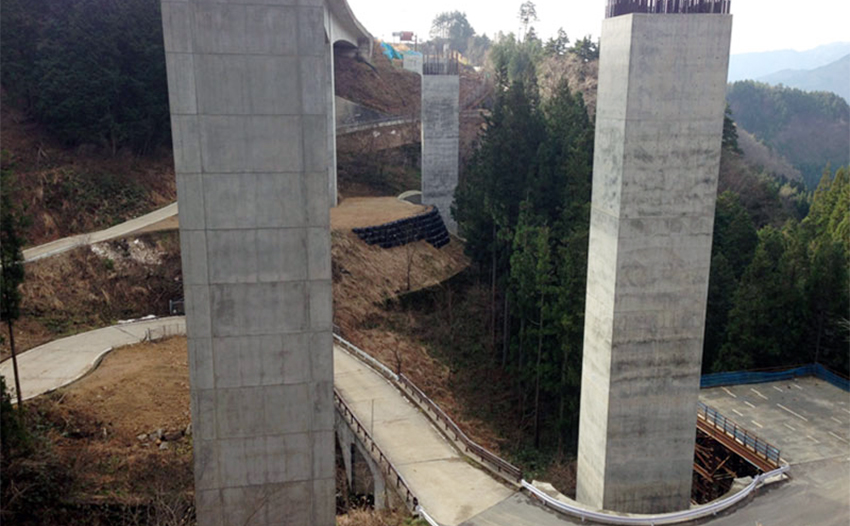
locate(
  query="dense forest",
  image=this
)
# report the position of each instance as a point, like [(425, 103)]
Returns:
[(91, 71), (809, 129), (778, 288)]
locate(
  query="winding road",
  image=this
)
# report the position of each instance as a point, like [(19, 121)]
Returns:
[(453, 490), (133, 226)]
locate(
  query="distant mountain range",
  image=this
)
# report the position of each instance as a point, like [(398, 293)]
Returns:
[(752, 66), (834, 77)]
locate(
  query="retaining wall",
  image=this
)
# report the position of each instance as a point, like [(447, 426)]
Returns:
[(428, 226)]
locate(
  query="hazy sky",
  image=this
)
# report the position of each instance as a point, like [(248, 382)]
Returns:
[(759, 25)]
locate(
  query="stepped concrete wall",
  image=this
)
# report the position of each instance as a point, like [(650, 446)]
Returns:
[(662, 82), (440, 143), (249, 93)]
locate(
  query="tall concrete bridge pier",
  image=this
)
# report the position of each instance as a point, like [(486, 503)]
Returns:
[(662, 82), (251, 94), (440, 135)]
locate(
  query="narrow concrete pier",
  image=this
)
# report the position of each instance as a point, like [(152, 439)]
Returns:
[(659, 122), (440, 137)]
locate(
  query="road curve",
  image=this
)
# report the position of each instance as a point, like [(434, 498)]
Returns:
[(127, 228), (455, 492), (58, 363)]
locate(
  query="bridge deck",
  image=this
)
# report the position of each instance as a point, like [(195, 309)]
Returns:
[(451, 489)]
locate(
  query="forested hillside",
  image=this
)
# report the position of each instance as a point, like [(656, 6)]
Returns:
[(833, 77), (91, 72), (778, 290), (808, 129)]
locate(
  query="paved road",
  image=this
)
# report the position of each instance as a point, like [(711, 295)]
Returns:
[(448, 487), (457, 493), (60, 362), (124, 229)]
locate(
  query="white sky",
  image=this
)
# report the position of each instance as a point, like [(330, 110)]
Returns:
[(759, 25)]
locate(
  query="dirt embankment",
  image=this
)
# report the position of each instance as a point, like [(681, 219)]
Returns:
[(96, 286), (68, 191), (113, 448), (378, 84)]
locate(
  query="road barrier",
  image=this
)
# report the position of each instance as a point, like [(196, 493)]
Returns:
[(741, 435), (363, 356), (387, 468), (164, 331), (676, 517), (501, 466), (445, 424)]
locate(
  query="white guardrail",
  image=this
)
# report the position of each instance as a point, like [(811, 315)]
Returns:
[(364, 356), (383, 369), (653, 520), (424, 515), (579, 512)]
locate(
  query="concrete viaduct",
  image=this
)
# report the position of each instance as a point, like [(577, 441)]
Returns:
[(252, 110)]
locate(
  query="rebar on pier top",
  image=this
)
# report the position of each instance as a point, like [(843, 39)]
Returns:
[(624, 7)]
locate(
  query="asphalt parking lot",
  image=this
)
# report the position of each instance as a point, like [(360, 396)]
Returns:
[(807, 418)]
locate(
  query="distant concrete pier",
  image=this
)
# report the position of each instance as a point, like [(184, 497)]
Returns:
[(659, 122), (440, 136)]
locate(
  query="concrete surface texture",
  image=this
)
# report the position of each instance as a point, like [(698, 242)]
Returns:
[(447, 485), (58, 363), (440, 143), (133, 226), (412, 62), (248, 90), (662, 82)]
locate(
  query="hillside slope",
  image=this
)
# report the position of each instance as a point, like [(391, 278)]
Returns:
[(66, 191), (808, 129), (834, 77)]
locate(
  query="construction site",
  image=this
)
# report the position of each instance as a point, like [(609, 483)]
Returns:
[(259, 338)]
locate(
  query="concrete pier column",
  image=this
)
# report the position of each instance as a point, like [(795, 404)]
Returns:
[(354, 455), (248, 90), (440, 142), (659, 122)]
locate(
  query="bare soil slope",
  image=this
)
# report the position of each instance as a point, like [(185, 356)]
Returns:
[(94, 423), (96, 286), (378, 84)]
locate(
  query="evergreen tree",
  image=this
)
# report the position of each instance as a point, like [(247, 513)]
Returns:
[(90, 71), (528, 193), (768, 316), (559, 45), (11, 259)]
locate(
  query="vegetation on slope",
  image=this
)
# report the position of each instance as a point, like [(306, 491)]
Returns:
[(92, 72), (78, 459), (808, 129), (832, 77), (96, 286)]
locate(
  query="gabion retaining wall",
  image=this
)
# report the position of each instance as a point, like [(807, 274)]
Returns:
[(428, 226)]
